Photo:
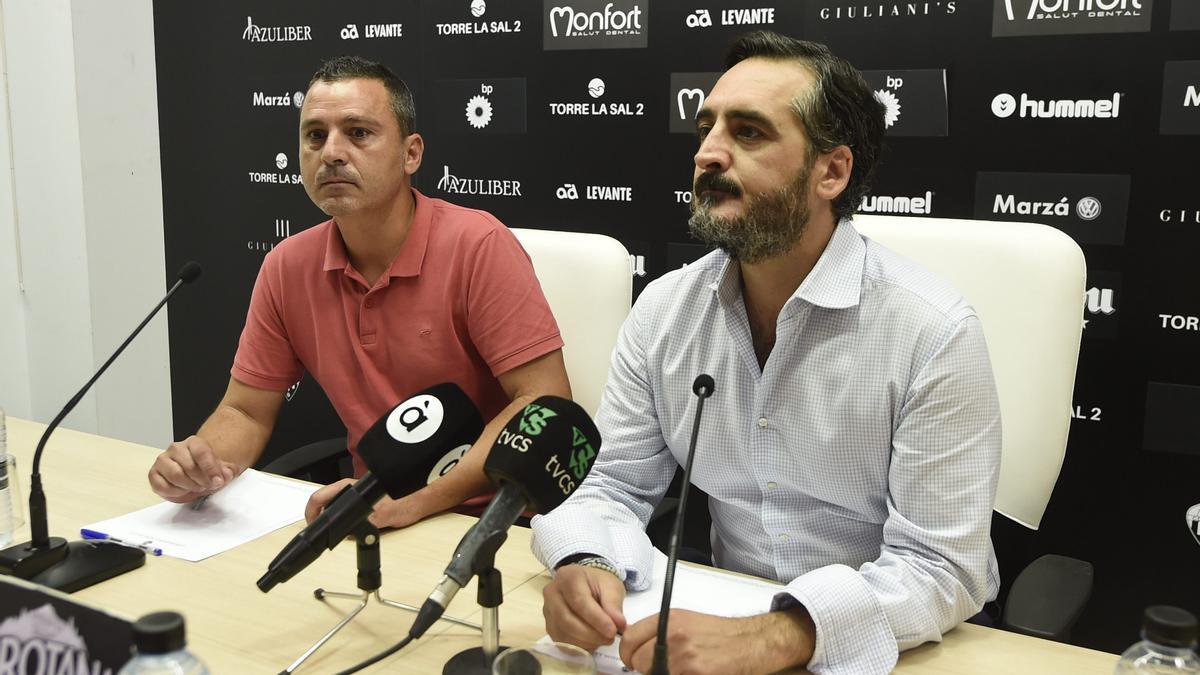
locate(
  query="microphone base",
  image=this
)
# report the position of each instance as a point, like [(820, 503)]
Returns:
[(69, 567), (471, 661)]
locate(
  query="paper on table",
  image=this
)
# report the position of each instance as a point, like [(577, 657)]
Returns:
[(699, 589), (254, 504)]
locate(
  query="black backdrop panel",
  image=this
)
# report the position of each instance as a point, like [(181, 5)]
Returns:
[(1095, 103)]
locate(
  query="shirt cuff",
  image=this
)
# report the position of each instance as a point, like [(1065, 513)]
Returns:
[(852, 635)]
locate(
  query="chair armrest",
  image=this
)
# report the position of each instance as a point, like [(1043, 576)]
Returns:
[(1048, 597), (304, 460)]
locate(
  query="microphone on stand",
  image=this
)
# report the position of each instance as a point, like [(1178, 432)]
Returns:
[(52, 561), (703, 388), (538, 460), (422, 434)]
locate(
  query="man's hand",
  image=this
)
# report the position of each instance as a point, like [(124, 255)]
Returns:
[(582, 606), (388, 512), (701, 643), (189, 469)]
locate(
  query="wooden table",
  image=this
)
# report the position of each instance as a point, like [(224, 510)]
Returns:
[(237, 629)]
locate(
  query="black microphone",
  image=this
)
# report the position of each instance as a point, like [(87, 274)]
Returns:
[(421, 437), (52, 561), (703, 388), (540, 458)]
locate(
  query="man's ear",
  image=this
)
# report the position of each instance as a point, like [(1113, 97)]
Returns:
[(414, 151), (831, 172)]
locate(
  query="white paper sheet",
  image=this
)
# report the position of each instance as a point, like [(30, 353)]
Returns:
[(253, 505), (696, 588)]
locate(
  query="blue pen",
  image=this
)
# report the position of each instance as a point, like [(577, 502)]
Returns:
[(100, 536)]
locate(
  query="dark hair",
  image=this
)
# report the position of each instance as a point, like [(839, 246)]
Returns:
[(839, 109), (341, 68)]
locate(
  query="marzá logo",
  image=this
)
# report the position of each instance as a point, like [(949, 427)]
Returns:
[(261, 99), (1004, 105), (1088, 208), (275, 33), (534, 419)]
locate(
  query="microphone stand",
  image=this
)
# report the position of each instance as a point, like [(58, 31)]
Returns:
[(370, 579), (703, 388), (490, 595), (52, 561)]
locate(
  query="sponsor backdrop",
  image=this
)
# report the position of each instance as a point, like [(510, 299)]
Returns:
[(577, 115)]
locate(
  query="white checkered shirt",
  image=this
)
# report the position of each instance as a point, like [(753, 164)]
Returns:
[(859, 466)]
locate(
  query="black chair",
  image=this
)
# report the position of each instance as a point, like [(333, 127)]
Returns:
[(321, 462)]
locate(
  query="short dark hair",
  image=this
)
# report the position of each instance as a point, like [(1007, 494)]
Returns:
[(839, 109), (341, 68)]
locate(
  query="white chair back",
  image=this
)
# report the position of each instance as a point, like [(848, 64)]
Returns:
[(588, 282), (1026, 281)]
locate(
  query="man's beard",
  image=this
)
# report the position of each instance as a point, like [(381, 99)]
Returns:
[(772, 224)]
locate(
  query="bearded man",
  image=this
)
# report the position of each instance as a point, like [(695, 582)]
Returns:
[(852, 446)]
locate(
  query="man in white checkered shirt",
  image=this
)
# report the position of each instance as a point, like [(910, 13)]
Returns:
[(852, 445)]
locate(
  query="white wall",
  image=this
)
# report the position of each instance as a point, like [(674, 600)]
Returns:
[(88, 214)]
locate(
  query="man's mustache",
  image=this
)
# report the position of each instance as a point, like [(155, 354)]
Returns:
[(334, 174), (716, 182)]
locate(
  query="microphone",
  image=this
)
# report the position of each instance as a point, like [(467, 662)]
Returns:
[(538, 460), (52, 561), (398, 449), (703, 388)]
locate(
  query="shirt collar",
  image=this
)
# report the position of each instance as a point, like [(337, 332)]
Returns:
[(835, 282), (408, 262)]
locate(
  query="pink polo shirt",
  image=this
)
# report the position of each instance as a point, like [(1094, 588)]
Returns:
[(460, 303)]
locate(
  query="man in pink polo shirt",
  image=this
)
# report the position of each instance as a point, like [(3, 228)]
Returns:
[(396, 293)]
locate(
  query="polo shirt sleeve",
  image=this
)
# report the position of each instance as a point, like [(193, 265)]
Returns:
[(265, 358), (508, 318)]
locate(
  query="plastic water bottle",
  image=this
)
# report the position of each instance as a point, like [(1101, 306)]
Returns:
[(1167, 647), (161, 648)]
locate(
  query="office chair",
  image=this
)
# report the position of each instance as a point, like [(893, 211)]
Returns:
[(1026, 281), (588, 281)]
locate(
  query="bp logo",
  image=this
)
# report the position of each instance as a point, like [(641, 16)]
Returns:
[(534, 419), (1193, 522), (1088, 208)]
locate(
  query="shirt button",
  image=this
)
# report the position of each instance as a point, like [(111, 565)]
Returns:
[(772, 485), (783, 537), (762, 422), (369, 303)]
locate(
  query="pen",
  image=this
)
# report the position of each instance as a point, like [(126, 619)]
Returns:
[(198, 503), (100, 536)]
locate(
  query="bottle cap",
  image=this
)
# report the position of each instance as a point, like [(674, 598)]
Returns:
[(159, 633), (1169, 626)]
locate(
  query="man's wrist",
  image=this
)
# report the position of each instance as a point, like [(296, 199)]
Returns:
[(589, 560), (790, 636)]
